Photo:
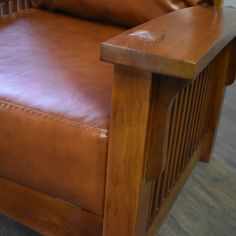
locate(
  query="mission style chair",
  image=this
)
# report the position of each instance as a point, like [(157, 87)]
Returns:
[(88, 148)]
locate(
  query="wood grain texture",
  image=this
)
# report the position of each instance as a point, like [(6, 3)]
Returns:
[(193, 37), (164, 90), (47, 215), (126, 193), (207, 205), (219, 2), (129, 117), (175, 191), (223, 62), (125, 165), (188, 126)]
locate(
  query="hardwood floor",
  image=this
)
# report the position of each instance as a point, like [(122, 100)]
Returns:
[(207, 204)]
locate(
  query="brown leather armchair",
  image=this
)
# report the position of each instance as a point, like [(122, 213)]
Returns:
[(79, 159)]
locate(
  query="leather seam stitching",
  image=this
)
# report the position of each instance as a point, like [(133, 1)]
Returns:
[(3, 104)]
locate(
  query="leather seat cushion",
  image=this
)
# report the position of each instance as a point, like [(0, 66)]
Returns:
[(125, 12), (55, 99)]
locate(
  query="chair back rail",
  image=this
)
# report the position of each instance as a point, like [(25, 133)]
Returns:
[(8, 7)]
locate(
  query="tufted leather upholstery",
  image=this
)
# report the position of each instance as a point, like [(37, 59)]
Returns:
[(123, 12), (54, 105)]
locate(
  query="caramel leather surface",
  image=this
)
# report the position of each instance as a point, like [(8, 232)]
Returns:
[(123, 12), (54, 105)]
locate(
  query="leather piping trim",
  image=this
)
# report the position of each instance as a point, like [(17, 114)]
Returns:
[(7, 105)]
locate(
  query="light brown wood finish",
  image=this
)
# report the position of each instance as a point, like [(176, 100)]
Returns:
[(135, 110), (175, 191), (224, 62), (141, 107), (47, 215), (187, 47), (165, 110), (164, 90), (189, 127), (129, 118), (219, 2)]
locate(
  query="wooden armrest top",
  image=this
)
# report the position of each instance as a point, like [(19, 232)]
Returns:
[(179, 44)]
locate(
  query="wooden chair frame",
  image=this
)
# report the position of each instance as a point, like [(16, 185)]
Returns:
[(165, 112), (164, 128)]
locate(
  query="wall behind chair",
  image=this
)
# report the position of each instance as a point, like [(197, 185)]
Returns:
[(230, 3)]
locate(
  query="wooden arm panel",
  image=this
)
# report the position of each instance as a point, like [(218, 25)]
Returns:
[(160, 127), (178, 44), (167, 95)]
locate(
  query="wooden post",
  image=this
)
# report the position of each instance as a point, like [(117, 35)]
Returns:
[(224, 64), (130, 106), (219, 2)]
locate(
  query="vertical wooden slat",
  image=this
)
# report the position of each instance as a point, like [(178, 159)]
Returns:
[(211, 97), (2, 8), (164, 187), (203, 111), (206, 105), (152, 205), (203, 81), (177, 139), (175, 136), (164, 91), (171, 152), (181, 131), (157, 199), (187, 104), (199, 85), (187, 126), (191, 123)]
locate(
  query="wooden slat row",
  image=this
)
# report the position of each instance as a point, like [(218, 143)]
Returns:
[(188, 124), (8, 7)]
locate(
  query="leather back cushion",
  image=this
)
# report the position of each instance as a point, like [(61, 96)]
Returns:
[(123, 12)]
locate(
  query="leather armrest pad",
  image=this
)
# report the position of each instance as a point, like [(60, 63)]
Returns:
[(179, 44)]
